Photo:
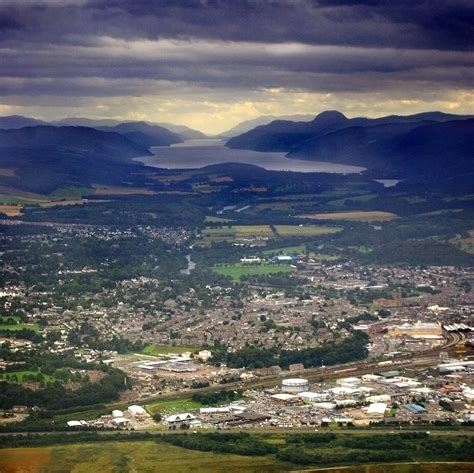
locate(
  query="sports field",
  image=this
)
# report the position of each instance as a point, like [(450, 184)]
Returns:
[(237, 271)]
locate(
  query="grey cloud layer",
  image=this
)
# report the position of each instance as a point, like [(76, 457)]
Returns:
[(137, 47)]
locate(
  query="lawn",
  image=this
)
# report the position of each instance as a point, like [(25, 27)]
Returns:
[(15, 327), (173, 405), (22, 373), (145, 457), (236, 271), (287, 250), (156, 350), (5, 318), (356, 215), (297, 230)]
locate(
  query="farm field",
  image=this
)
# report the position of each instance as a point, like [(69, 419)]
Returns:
[(117, 190), (236, 232), (10, 210), (237, 271), (239, 231), (146, 456), (359, 216), (296, 230), (212, 219), (401, 468)]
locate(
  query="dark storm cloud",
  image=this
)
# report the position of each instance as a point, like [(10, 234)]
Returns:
[(446, 24), (108, 48)]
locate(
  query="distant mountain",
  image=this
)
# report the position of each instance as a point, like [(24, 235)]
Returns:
[(432, 142), (184, 131), (144, 134), (88, 122), (422, 148), (288, 135), (283, 135), (47, 157), (263, 120), (13, 122)]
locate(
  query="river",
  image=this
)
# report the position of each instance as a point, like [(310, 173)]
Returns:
[(194, 154)]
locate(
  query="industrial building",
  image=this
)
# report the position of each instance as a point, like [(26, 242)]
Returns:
[(294, 385)]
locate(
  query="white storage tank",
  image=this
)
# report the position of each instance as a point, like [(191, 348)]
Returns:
[(294, 385)]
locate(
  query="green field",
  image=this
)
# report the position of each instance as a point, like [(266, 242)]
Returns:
[(21, 374), (353, 215), (212, 219), (238, 231), (157, 350), (236, 271), (5, 318), (173, 405), (15, 327), (115, 457), (71, 192), (287, 250), (297, 230)]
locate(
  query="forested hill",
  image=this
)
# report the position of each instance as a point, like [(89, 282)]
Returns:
[(44, 157), (145, 134), (433, 149), (431, 144)]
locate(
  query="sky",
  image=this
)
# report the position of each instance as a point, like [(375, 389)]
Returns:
[(211, 64)]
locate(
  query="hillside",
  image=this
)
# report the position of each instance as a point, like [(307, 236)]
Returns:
[(12, 122), (387, 145), (47, 157), (144, 134), (400, 148), (248, 125), (283, 135)]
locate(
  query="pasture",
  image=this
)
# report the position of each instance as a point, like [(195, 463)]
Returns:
[(145, 456), (355, 216)]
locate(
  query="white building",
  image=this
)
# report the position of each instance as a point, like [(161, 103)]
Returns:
[(137, 411), (294, 385)]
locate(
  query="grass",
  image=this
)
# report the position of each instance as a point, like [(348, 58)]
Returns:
[(157, 350), (5, 318), (296, 230), (145, 457), (173, 405), (356, 215), (15, 327), (259, 231), (287, 250), (438, 467), (23, 373), (71, 192), (236, 271), (352, 198), (212, 219)]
